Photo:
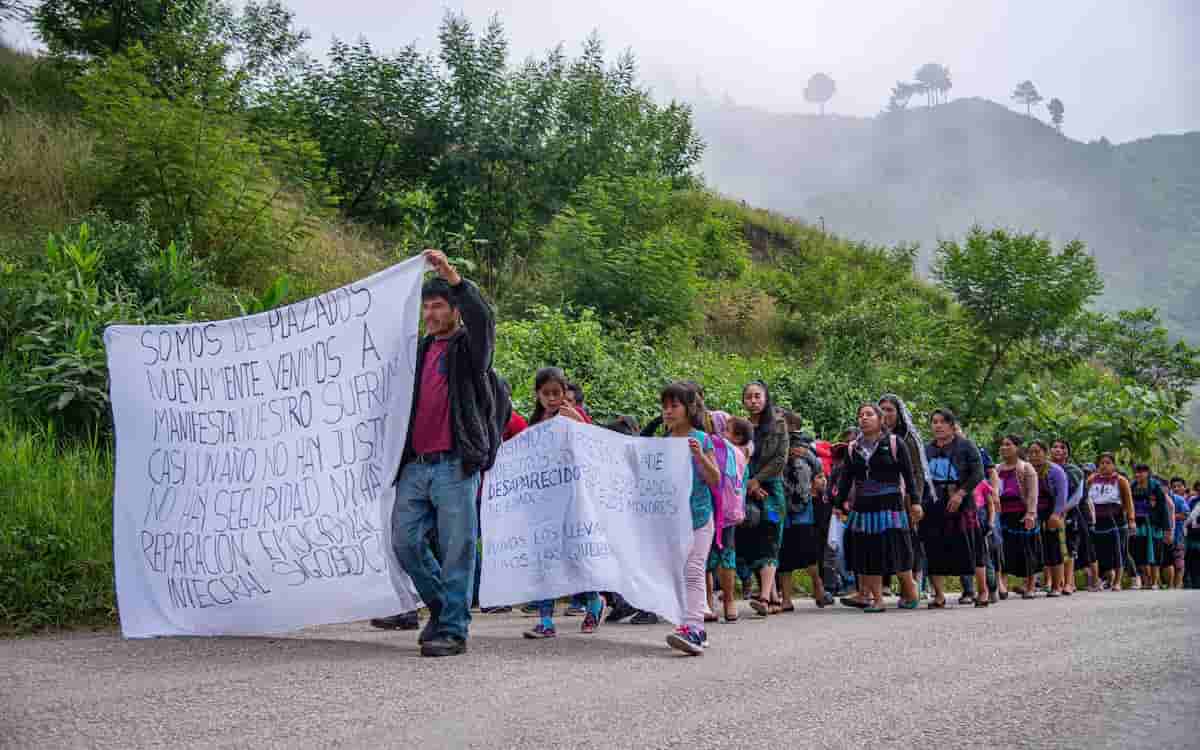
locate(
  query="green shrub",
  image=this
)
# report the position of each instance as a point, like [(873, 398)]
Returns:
[(55, 530), (191, 160), (54, 314), (639, 250)]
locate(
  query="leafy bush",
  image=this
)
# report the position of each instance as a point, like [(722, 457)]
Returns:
[(639, 250), (190, 158), (54, 314)]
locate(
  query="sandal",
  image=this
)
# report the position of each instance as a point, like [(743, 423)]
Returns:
[(1003, 595), (850, 601), (936, 604), (711, 618), (873, 609), (910, 604), (760, 606), (982, 602)]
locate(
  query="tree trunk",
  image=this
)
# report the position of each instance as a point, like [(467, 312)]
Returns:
[(997, 356)]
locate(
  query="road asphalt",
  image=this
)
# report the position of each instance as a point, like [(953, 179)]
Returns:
[(1110, 670)]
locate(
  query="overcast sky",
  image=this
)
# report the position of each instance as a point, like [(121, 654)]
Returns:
[(1124, 69)]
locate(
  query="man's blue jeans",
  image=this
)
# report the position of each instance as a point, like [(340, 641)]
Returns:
[(438, 496)]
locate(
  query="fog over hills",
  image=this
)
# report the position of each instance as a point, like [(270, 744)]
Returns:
[(924, 173)]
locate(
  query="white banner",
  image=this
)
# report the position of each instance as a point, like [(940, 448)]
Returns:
[(254, 463), (571, 507)]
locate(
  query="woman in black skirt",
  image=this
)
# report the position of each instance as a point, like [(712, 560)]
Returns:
[(803, 547), (878, 543), (1018, 514), (1078, 517), (950, 532), (1110, 495)]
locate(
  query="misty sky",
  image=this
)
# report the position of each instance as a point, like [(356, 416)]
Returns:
[(1124, 69)]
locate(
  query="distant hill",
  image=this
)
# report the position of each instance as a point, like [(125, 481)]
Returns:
[(921, 174)]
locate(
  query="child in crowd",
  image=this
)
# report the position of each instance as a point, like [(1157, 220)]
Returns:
[(682, 417), (722, 561), (550, 391)]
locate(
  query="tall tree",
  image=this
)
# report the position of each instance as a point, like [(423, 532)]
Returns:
[(1056, 112), (902, 92), (1015, 289), (820, 89), (934, 81), (1026, 93), (105, 27)]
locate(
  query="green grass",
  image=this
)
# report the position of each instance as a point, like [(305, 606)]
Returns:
[(56, 564)]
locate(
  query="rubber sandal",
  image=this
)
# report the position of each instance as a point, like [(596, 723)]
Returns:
[(849, 601), (910, 604), (760, 606), (872, 610), (1003, 595), (937, 604), (982, 603)]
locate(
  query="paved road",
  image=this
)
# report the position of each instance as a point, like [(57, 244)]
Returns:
[(1092, 671)]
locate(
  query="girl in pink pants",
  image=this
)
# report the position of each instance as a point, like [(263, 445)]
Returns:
[(682, 417)]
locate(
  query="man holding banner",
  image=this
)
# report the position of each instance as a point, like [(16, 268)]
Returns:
[(452, 437)]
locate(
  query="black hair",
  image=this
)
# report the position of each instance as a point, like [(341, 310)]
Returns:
[(1140, 467), (1039, 443), (792, 420), (437, 287), (873, 407), (742, 430), (544, 376), (577, 390), (1181, 480), (901, 428), (1066, 444), (947, 416), (686, 395), (763, 428), (624, 424), (1014, 439), (1106, 454)]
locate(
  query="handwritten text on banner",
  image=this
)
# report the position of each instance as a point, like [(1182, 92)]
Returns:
[(571, 507), (254, 463)]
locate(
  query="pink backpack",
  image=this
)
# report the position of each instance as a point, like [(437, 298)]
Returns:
[(729, 496)]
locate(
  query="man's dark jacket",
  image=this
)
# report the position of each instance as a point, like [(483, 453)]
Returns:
[(472, 384)]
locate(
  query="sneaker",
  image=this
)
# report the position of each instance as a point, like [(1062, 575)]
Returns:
[(688, 641), (496, 610), (590, 623), (444, 647), (402, 621), (575, 611), (644, 618), (540, 631), (704, 638), (966, 599)]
